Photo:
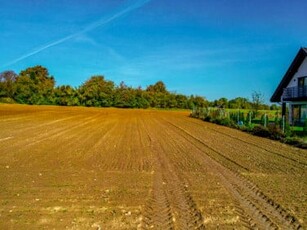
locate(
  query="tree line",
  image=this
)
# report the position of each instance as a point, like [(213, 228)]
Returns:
[(257, 103), (35, 86)]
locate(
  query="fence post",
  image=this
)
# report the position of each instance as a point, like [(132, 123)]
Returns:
[(250, 118), (265, 121), (238, 120), (283, 123)]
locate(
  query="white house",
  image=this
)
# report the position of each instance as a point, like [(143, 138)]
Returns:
[(292, 90)]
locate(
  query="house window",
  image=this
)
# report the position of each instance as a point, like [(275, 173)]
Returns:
[(302, 81), (302, 87), (303, 112), (299, 114)]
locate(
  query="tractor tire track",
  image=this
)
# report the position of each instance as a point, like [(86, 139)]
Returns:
[(221, 155), (170, 205), (263, 211), (264, 147), (295, 161), (243, 218)]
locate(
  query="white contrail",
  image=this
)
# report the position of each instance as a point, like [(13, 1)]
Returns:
[(101, 22)]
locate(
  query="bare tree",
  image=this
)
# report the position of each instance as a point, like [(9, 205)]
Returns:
[(7, 79), (257, 101)]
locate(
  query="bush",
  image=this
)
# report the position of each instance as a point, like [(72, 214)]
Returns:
[(220, 121), (7, 100), (275, 132), (261, 131), (247, 128), (292, 140), (288, 130), (272, 132), (227, 122), (208, 118)]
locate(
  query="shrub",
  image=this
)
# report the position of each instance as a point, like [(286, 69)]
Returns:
[(227, 122), (295, 141), (233, 116), (272, 132), (292, 140), (247, 128), (275, 132), (261, 131), (288, 130), (208, 118), (7, 100)]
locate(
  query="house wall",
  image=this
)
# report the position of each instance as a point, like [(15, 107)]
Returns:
[(302, 71)]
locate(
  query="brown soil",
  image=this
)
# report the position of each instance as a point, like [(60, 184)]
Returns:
[(89, 168)]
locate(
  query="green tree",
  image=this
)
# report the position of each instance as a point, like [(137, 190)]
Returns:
[(239, 103), (159, 87), (125, 97), (275, 107), (157, 95), (182, 101), (66, 95), (97, 92), (141, 98), (34, 86), (221, 103), (171, 101), (198, 102)]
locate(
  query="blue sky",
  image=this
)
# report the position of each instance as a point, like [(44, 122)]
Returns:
[(212, 48)]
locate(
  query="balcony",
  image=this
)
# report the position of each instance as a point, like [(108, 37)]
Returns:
[(295, 93)]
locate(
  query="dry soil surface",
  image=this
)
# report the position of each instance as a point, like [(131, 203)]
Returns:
[(90, 168)]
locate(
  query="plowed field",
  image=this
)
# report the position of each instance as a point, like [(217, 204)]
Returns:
[(89, 168)]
